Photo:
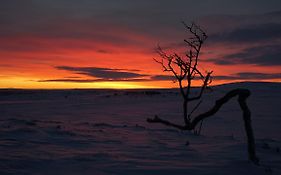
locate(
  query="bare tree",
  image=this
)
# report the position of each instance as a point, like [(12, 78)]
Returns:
[(185, 70)]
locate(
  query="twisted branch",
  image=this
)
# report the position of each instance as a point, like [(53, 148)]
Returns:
[(242, 94)]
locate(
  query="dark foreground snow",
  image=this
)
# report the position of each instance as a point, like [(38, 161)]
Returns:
[(105, 132)]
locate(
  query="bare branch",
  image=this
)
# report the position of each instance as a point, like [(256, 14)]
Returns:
[(205, 84), (156, 119), (194, 109), (242, 94)]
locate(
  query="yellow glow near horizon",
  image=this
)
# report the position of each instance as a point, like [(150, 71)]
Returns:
[(26, 83)]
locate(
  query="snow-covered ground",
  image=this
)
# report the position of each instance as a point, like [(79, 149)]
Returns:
[(105, 132)]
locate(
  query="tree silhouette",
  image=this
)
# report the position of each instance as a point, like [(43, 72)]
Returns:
[(185, 70)]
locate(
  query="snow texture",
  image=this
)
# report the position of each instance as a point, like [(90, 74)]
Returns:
[(105, 132)]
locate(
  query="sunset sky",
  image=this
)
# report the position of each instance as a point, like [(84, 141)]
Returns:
[(111, 43)]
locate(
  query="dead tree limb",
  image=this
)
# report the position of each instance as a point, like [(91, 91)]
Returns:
[(242, 94)]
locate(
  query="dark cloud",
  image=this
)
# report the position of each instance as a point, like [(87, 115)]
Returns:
[(99, 74), (73, 77), (72, 18), (268, 55), (104, 73), (104, 51), (237, 76), (249, 76), (162, 77), (253, 33)]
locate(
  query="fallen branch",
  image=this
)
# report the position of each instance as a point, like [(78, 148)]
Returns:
[(242, 94)]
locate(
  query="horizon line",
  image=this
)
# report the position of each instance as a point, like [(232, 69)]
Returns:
[(142, 88)]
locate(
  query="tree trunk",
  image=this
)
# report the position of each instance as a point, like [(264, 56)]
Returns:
[(185, 115), (249, 130)]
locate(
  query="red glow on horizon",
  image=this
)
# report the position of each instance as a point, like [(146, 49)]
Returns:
[(27, 59)]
